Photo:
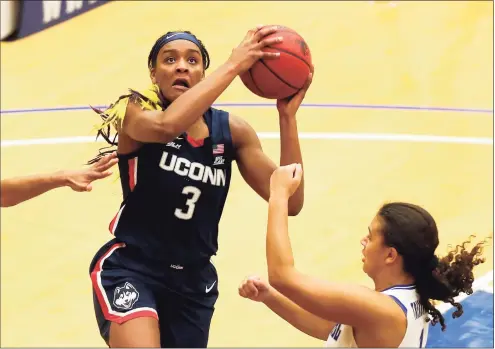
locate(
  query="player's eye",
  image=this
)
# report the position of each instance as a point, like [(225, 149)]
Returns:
[(193, 60), (170, 59)]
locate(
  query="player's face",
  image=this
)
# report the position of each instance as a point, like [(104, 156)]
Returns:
[(179, 66), (374, 249)]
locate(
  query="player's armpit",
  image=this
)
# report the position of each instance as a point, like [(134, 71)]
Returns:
[(147, 126), (357, 306), (254, 165)]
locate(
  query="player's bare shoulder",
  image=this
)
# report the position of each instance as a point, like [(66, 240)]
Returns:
[(126, 143), (242, 132)]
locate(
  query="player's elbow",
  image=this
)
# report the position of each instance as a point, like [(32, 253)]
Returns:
[(166, 130), (170, 130), (6, 197), (294, 211), (279, 279), (281, 285), (152, 131), (275, 281), (295, 207), (7, 201)]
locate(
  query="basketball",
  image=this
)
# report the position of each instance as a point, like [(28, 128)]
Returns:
[(284, 76)]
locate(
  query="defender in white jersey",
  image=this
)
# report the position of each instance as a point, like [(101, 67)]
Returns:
[(407, 298), (398, 255)]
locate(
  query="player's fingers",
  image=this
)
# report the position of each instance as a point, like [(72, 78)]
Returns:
[(79, 187), (245, 292), (308, 82), (251, 289), (269, 41), (299, 96), (270, 55), (107, 165), (283, 172), (289, 169), (106, 159), (260, 285), (264, 32), (242, 293), (251, 32), (298, 172), (254, 277), (113, 155), (100, 174)]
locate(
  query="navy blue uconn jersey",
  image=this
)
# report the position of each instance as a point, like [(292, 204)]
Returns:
[(174, 194)]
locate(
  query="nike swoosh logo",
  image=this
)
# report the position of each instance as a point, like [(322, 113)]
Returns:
[(168, 37), (208, 289)]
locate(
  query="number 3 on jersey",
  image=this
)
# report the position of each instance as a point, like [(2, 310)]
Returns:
[(190, 203)]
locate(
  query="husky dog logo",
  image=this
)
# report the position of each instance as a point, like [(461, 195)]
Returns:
[(125, 297)]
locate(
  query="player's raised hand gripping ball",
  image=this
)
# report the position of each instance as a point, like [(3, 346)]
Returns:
[(282, 77), (251, 49)]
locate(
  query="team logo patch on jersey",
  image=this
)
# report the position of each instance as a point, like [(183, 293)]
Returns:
[(125, 297), (219, 160), (218, 149), (173, 145)]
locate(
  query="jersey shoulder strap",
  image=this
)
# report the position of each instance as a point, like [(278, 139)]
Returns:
[(220, 130)]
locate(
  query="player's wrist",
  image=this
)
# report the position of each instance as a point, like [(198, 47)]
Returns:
[(269, 297), (286, 117), (231, 68), (278, 195), (60, 178)]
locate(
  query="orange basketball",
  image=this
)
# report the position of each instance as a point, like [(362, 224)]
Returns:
[(284, 76)]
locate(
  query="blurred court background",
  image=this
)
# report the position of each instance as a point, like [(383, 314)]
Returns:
[(401, 108)]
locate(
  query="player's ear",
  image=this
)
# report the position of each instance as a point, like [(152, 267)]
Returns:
[(152, 75), (392, 255)]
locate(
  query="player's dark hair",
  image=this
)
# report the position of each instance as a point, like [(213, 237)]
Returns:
[(160, 42), (412, 231), (152, 57)]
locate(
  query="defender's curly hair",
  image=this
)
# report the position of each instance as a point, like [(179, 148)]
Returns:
[(452, 276), (412, 231)]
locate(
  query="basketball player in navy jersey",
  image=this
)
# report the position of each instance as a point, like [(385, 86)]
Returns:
[(19, 189), (153, 283), (398, 254)]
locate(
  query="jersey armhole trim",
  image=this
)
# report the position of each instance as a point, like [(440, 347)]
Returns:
[(130, 155), (404, 309), (226, 131)]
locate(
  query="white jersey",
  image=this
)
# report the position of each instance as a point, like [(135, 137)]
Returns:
[(417, 328)]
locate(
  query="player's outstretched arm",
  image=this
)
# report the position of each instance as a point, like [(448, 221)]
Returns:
[(20, 189), (260, 291), (290, 149), (367, 311), (164, 126), (256, 167)]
